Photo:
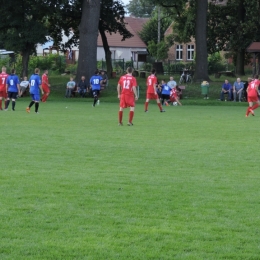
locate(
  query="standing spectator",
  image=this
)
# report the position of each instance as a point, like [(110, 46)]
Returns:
[(70, 86), (35, 87), (151, 92), (172, 83), (23, 86), (13, 89), (226, 89), (45, 86), (95, 84), (82, 87), (104, 79), (3, 92), (165, 92), (127, 94), (238, 87), (252, 96)]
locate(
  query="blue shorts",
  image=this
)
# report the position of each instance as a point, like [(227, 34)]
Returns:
[(35, 97)]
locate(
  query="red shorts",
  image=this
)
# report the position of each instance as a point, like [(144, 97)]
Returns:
[(3, 94), (252, 98), (173, 98), (46, 89), (127, 101), (151, 96)]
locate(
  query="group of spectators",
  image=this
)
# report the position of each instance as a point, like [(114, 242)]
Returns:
[(83, 87), (234, 92)]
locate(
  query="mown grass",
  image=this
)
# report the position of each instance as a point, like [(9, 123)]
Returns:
[(177, 185)]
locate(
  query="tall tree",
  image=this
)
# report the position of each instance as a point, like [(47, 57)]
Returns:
[(23, 25), (111, 20), (88, 33), (201, 65)]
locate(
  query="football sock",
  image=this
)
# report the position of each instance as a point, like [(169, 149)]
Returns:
[(131, 115), (146, 106), (36, 106), (7, 104), (95, 100), (160, 106), (247, 111), (13, 105), (255, 106), (31, 104), (120, 116), (1, 104)]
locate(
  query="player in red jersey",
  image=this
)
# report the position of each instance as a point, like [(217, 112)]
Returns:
[(253, 96), (174, 96), (151, 92), (45, 86), (3, 90), (126, 89)]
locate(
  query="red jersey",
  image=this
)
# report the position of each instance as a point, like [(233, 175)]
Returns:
[(150, 83), (3, 78), (252, 88), (45, 80), (127, 83)]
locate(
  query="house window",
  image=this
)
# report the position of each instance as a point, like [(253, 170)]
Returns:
[(190, 52), (179, 52)]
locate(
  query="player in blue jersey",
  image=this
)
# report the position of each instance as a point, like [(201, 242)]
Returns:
[(35, 87), (165, 92), (13, 89), (95, 83)]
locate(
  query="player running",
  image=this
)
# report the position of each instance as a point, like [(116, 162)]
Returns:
[(127, 94), (3, 93), (252, 96), (151, 92), (95, 83), (35, 87)]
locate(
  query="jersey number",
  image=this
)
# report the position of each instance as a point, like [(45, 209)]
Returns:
[(96, 81), (3, 81), (126, 84), (32, 82)]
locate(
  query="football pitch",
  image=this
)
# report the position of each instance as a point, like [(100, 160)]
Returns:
[(177, 185)]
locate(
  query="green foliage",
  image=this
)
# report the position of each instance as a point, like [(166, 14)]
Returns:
[(215, 63), (150, 29), (53, 62), (140, 8), (158, 50)]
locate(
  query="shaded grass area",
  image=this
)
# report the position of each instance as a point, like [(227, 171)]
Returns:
[(178, 185)]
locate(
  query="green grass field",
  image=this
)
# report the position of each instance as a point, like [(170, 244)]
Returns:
[(177, 185)]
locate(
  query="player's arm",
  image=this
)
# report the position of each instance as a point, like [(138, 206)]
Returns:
[(18, 87), (135, 92), (118, 90)]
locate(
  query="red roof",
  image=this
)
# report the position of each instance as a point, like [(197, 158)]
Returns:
[(134, 25), (254, 47)]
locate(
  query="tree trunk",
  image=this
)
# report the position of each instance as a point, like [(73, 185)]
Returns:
[(25, 62), (88, 33), (201, 66), (107, 52), (240, 62)]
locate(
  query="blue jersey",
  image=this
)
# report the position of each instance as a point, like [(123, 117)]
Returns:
[(166, 90), (95, 82), (35, 83), (12, 82)]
